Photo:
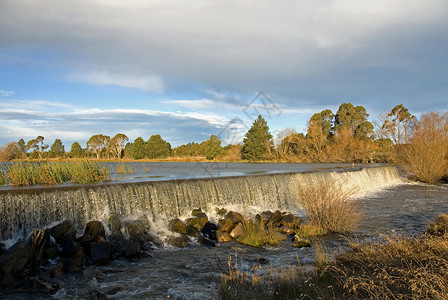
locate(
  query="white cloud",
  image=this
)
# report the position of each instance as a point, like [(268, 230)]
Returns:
[(145, 82), (6, 93)]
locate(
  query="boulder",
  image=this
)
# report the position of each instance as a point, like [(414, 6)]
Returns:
[(14, 260), (259, 219), (196, 212), (177, 241), (276, 218), (70, 248), (63, 232), (139, 231), (209, 231), (192, 231), (73, 264), (267, 214), (285, 229), (221, 211), (223, 237), (95, 230), (206, 241), (100, 253), (131, 249), (52, 252), (226, 225), (300, 242), (234, 216), (198, 222), (291, 221), (237, 231), (177, 226), (115, 226)]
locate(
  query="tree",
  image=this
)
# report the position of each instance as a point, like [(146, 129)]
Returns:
[(97, 143), (22, 146), (212, 147), (157, 147), (138, 150), (11, 151), (258, 141), (57, 149), (117, 144), (38, 145), (354, 118), (397, 124), (76, 150), (325, 120)]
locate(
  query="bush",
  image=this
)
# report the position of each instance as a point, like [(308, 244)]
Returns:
[(427, 154), (329, 206)]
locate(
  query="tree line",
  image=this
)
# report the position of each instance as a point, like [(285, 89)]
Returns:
[(343, 136)]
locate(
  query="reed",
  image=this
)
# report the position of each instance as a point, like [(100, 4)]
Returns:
[(23, 174), (257, 234), (124, 168)]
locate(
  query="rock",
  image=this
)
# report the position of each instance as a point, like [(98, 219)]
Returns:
[(177, 226), (63, 232), (291, 221), (115, 226), (57, 272), (237, 231), (234, 216), (221, 211), (206, 241), (100, 253), (285, 229), (139, 231), (70, 248), (177, 241), (97, 295), (14, 260), (259, 219), (95, 230), (196, 212), (281, 236), (223, 237), (192, 231), (267, 214), (226, 225), (131, 249), (198, 222), (8, 280), (52, 252), (209, 231), (90, 273), (32, 285), (75, 263), (300, 242), (276, 218)]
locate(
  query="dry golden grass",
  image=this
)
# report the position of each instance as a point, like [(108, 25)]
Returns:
[(397, 268), (329, 206)]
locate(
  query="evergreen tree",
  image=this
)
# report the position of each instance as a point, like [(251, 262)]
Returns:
[(57, 149), (76, 150), (258, 141), (22, 146), (157, 147), (353, 118), (138, 150), (212, 147)]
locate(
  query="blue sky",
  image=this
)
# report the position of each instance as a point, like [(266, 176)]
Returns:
[(189, 69)]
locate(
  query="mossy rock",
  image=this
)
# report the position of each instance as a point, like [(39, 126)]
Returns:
[(291, 221), (234, 216), (115, 226), (226, 225), (177, 226), (196, 212), (300, 242), (198, 222)]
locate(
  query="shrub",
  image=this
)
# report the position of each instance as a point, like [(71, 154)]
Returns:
[(329, 205)]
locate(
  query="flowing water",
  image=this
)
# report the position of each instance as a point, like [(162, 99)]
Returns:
[(390, 204)]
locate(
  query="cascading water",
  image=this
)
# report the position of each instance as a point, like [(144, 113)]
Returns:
[(21, 210)]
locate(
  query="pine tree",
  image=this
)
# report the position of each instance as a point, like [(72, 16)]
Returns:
[(76, 150), (212, 147), (157, 147), (57, 149), (257, 143)]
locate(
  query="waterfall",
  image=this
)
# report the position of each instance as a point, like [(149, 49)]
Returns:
[(23, 209)]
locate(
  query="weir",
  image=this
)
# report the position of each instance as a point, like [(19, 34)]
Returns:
[(21, 210)]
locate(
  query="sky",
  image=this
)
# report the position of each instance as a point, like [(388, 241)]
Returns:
[(188, 69)]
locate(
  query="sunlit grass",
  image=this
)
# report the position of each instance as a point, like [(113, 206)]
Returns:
[(24, 174), (123, 168)]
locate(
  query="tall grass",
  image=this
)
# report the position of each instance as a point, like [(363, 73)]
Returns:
[(257, 234), (123, 168), (23, 174), (329, 205), (397, 268), (427, 154)]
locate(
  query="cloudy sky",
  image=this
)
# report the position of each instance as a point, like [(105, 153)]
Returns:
[(188, 69)]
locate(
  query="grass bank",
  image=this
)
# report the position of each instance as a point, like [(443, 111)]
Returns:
[(397, 268), (27, 173)]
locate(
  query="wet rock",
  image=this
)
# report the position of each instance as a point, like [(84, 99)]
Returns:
[(206, 241), (209, 231), (52, 252), (177, 226), (14, 260), (75, 263), (196, 212), (100, 253), (234, 216), (198, 222), (259, 219), (267, 214), (177, 241), (291, 221), (192, 231), (223, 237), (276, 218), (300, 242), (115, 226), (57, 271), (70, 248), (237, 231), (95, 231), (221, 211), (32, 285), (226, 225), (131, 249), (90, 273), (139, 231), (285, 229), (63, 232)]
